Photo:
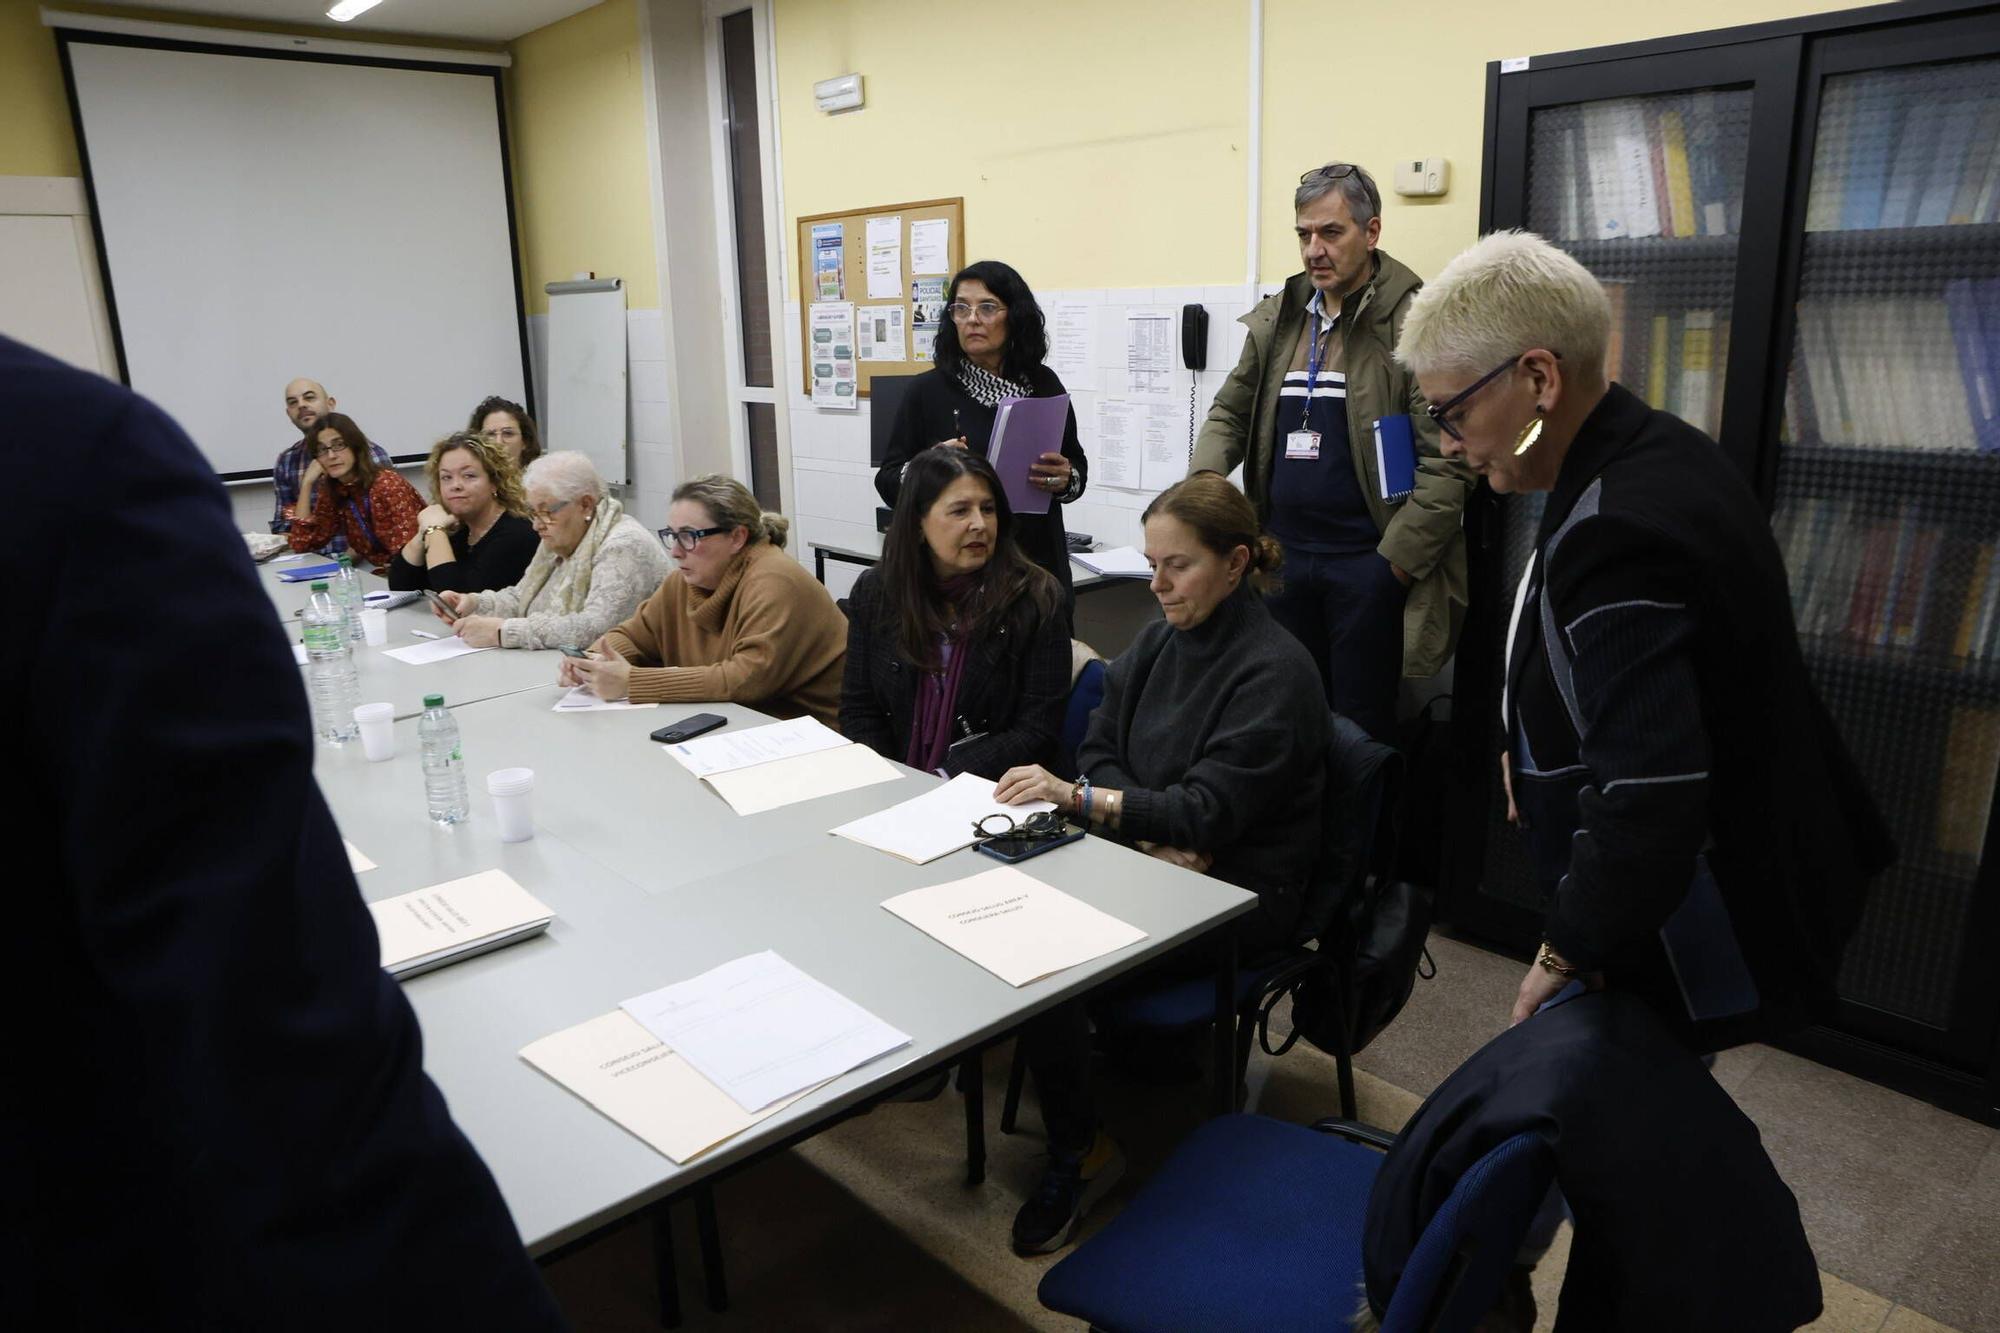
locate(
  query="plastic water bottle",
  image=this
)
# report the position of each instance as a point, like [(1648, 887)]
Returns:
[(349, 597), (330, 682), (444, 764)]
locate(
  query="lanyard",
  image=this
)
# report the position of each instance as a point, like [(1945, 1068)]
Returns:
[(1312, 365)]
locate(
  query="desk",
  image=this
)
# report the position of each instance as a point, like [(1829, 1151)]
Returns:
[(708, 886), (461, 680)]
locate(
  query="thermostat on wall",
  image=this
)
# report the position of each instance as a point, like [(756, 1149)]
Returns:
[(841, 94), (1430, 176)]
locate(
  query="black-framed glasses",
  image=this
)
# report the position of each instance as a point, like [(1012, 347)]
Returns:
[(1439, 411), (686, 539), (337, 447), (1333, 171), (999, 827), (986, 311)]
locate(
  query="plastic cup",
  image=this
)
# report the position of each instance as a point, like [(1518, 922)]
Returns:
[(511, 789), (374, 626), (378, 731)]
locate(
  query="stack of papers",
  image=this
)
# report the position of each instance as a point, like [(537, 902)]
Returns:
[(762, 1031), (581, 700), (1120, 562), (938, 823), (1013, 925), (762, 768), (749, 1038), (435, 650), (457, 919)]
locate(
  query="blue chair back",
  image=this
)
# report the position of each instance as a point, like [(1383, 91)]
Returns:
[(1361, 777), (1084, 697), (1454, 1274)]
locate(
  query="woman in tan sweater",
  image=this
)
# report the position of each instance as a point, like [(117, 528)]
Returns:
[(739, 621)]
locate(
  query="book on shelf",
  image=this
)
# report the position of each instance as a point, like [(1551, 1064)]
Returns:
[(1965, 780), (1898, 150), (1903, 372), (1644, 167), (1678, 180)]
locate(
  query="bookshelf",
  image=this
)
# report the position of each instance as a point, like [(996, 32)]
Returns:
[(1799, 227)]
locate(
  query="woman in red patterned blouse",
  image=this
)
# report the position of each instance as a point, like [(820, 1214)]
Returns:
[(342, 490)]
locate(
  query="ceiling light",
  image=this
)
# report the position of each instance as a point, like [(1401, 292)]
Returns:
[(347, 9)]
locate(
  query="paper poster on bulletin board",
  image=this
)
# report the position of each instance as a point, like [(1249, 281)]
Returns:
[(886, 269)]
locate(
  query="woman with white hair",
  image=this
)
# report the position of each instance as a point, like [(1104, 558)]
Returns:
[(595, 565), (1698, 826)]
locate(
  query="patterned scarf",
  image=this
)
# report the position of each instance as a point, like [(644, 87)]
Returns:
[(986, 388)]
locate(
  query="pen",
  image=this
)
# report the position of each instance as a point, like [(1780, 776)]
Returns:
[(425, 634)]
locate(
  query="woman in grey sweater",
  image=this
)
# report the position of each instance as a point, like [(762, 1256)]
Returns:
[(1209, 752)]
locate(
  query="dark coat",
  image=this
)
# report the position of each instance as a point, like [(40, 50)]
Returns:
[(217, 1115), (1681, 1220), (936, 409), (1010, 696), (1662, 721)]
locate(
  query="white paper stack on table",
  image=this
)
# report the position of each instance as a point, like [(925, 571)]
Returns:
[(579, 699), (1013, 925), (457, 919), (436, 650), (762, 768), (690, 1065), (938, 823), (1120, 562)]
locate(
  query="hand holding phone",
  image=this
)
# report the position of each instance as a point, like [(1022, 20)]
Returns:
[(441, 608)]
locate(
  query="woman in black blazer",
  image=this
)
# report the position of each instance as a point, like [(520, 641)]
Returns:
[(957, 644), (990, 346)]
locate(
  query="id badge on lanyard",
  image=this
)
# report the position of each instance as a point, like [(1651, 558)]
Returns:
[(1303, 443)]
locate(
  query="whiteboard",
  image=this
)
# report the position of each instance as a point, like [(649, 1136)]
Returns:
[(587, 389), (266, 217)]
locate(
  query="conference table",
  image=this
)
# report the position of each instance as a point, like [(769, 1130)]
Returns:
[(653, 880)]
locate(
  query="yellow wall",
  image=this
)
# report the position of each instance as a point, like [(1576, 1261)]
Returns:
[(1097, 143), (577, 115), (35, 137), (1416, 87)]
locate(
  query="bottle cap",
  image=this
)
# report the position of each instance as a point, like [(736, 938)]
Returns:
[(319, 585), (346, 560), (434, 701)]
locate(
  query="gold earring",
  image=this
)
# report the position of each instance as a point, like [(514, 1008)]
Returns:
[(1529, 433)]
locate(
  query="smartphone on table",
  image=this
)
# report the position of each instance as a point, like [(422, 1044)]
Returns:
[(688, 728), (571, 650)]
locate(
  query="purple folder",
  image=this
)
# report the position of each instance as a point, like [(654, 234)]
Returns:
[(1023, 430)]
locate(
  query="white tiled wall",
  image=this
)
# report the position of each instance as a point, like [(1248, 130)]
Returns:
[(655, 461), (833, 483)]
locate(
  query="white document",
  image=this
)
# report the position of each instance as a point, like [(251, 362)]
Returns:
[(761, 1030), (831, 355), (355, 860), (1073, 338), (299, 653), (436, 650), (881, 329), (1163, 448), (456, 919), (631, 1076), (937, 823), (1013, 925), (1120, 562), (885, 258), (1149, 350), (579, 699), (1116, 460), (806, 777), (930, 246), (727, 750), (287, 559)]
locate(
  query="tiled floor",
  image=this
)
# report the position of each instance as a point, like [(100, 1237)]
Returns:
[(871, 1226)]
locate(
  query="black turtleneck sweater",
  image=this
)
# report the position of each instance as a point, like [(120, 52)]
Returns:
[(1217, 736)]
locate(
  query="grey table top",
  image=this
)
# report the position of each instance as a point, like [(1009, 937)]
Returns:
[(654, 880), (465, 679)]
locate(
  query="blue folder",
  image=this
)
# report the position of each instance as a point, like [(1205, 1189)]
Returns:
[(1395, 456), (307, 573)]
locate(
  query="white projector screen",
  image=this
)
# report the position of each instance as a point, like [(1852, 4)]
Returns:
[(265, 217)]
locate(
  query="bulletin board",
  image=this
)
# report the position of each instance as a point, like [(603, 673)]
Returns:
[(836, 267)]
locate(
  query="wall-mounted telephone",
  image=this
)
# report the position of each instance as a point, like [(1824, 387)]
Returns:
[(1194, 337)]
